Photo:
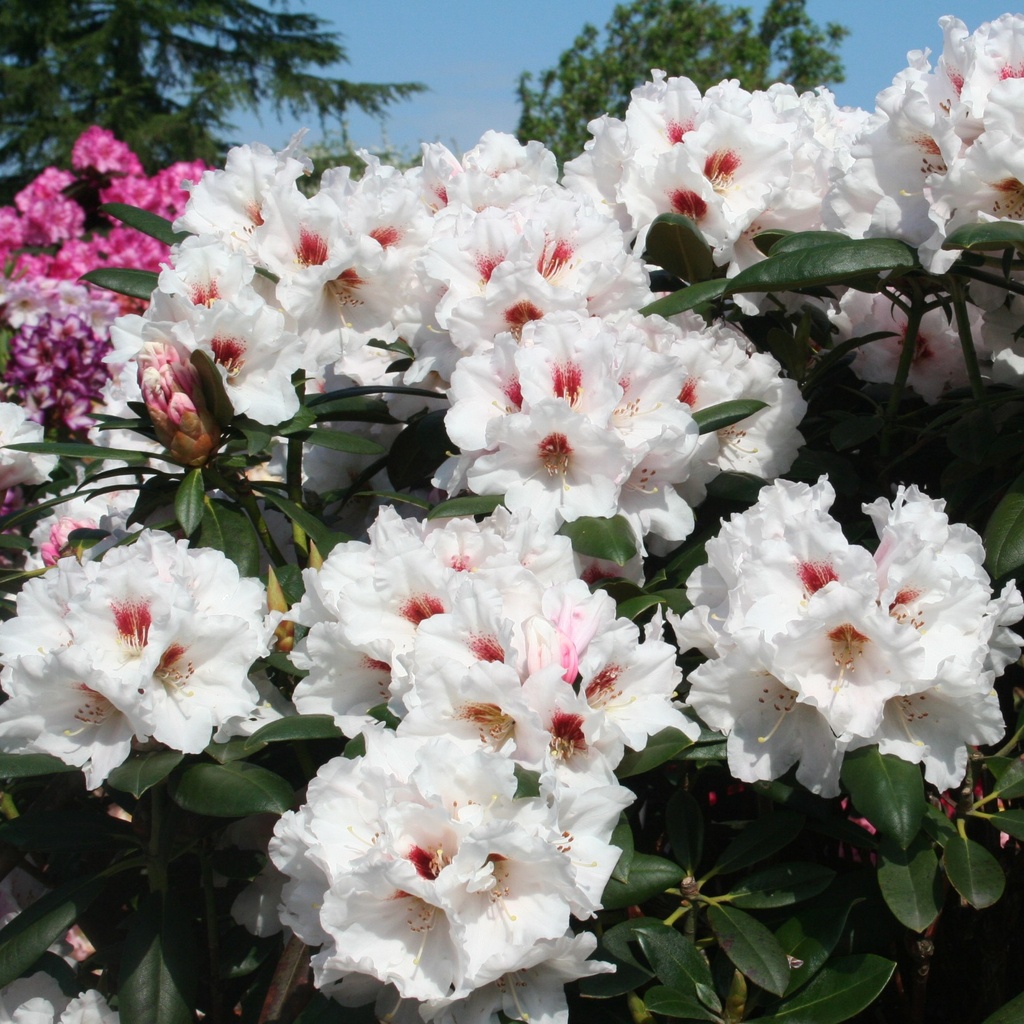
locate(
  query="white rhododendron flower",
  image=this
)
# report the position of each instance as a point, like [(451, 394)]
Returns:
[(21, 467)]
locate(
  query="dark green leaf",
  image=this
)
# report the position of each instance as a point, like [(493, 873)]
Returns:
[(294, 727), (1004, 534), (66, 830), (759, 839), (142, 220), (1010, 1013), (648, 876), (854, 431), (684, 824), (677, 245), (751, 947), (188, 502), (661, 747), (686, 298), (212, 383), (622, 837), (359, 409), (138, 284), (766, 240), (233, 749), (937, 825), (143, 771), (225, 528), (324, 538), (634, 606), (470, 505), (629, 972), (611, 539), (419, 450), (810, 935), (725, 414), (826, 264), (1001, 234), (910, 881), (798, 241), (781, 885), (671, 1002), (342, 441), (1010, 822), (677, 963), (24, 766), (887, 790), (1009, 777), (303, 419), (973, 871), (742, 488), (40, 924), (842, 989), (74, 450), (157, 969), (232, 790)]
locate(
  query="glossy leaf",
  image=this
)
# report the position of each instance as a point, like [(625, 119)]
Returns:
[(294, 727), (41, 923), (151, 224), (612, 539), (661, 747), (26, 766), (797, 241), (157, 972), (725, 414), (232, 790), (629, 972), (212, 383), (781, 886), (1004, 533), (1009, 777), (759, 839), (1010, 822), (937, 825), (144, 771), (672, 1002), (677, 963), (840, 991), (684, 825), (809, 936), (751, 947), (137, 284), (188, 502), (973, 872), (343, 441), (686, 298), (648, 876), (229, 530), (677, 245), (910, 881), (1002, 234), (887, 790), (826, 264), (469, 505), (418, 451), (76, 450), (324, 538), (622, 837), (1010, 1013)]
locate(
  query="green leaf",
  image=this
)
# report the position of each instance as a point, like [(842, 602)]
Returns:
[(1002, 234), (1010, 1013), (157, 970), (684, 825), (742, 488), (854, 431), (212, 384), (677, 245), (233, 749), (1009, 775), (842, 989), (73, 450), (142, 220), (342, 441), (661, 747), (144, 771), (677, 963), (648, 876), (611, 539), (41, 923), (232, 790), (1004, 533), (324, 538), (797, 241), (686, 298), (25, 766), (1010, 822), (622, 837), (819, 265), (227, 529), (810, 935), (973, 871), (887, 790), (294, 727), (469, 505), (781, 885), (634, 606), (759, 839), (910, 881), (418, 451), (66, 830), (725, 414), (629, 972), (303, 419), (751, 947), (138, 284), (671, 1002), (359, 409), (937, 825), (188, 502)]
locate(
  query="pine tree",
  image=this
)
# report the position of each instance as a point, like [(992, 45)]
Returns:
[(164, 75)]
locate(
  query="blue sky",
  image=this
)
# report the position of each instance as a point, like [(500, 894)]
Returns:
[(470, 55)]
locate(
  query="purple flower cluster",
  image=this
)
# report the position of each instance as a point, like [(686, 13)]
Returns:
[(55, 368)]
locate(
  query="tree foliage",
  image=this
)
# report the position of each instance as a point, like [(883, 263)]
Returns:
[(700, 39), (164, 74)]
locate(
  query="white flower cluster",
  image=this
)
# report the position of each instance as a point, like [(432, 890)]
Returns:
[(21, 467), (38, 999), (153, 642), (817, 647), (417, 866)]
